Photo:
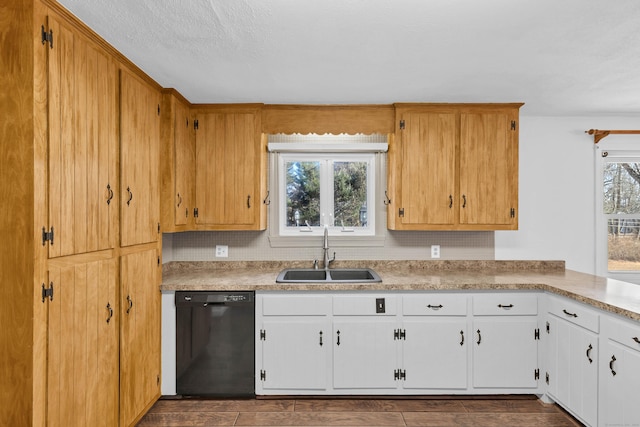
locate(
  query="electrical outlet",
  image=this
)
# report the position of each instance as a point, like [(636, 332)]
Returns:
[(222, 251), (435, 251)]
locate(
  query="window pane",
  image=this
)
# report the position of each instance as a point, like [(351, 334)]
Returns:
[(350, 193), (621, 188), (303, 193), (623, 244)]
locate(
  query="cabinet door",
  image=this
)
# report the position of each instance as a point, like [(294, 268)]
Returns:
[(82, 379), (489, 169), (620, 376), (573, 368), (364, 354), (505, 352), (228, 171), (185, 161), (140, 334), (295, 354), (82, 143), (427, 175), (139, 160), (434, 353)]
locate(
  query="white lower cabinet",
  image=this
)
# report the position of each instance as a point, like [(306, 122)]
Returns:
[(572, 358), (434, 353), (364, 353), (505, 341), (620, 373)]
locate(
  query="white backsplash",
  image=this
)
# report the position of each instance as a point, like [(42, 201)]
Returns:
[(254, 246)]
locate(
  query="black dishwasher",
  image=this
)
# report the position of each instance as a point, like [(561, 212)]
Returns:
[(215, 344)]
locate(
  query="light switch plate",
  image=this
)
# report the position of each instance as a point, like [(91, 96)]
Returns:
[(222, 251)]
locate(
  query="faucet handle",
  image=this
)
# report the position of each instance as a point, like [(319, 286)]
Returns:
[(315, 264)]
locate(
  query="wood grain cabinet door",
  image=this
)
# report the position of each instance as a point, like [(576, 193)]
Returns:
[(140, 334), (82, 378), (229, 171), (489, 169), (139, 160), (82, 144), (185, 159)]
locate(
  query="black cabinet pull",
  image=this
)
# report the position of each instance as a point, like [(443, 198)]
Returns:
[(249, 202), (569, 314), (179, 200), (461, 337), (464, 201), (435, 307), (130, 196), (320, 338), (589, 353), (130, 301), (109, 194), (505, 306), (450, 201), (479, 337), (613, 359), (338, 333), (109, 312), (636, 340)]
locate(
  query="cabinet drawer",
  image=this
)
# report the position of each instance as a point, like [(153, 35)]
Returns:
[(625, 333), (296, 305), (434, 305), (364, 305), (505, 304), (574, 313)]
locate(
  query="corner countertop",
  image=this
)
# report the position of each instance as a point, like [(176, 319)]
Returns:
[(607, 294)]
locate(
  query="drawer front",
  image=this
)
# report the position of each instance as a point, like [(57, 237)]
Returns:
[(365, 305), (434, 305), (574, 313), (296, 305), (625, 333), (505, 304)]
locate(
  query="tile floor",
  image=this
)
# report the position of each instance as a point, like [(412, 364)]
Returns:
[(520, 411)]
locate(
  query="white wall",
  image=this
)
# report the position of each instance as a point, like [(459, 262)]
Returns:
[(557, 197)]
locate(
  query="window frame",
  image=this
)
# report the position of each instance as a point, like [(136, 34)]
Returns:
[(611, 152), (376, 211)]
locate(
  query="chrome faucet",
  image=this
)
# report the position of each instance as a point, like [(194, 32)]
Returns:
[(325, 248)]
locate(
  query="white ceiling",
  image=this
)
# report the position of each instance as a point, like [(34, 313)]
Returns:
[(559, 57)]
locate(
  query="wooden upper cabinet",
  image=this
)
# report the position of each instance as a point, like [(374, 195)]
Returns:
[(178, 158), (489, 168), (139, 160), (230, 169), (454, 167), (82, 81)]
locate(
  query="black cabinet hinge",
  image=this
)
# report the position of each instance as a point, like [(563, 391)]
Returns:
[(158, 227), (158, 260), (47, 236), (263, 335), (399, 334), (47, 292), (513, 125), (263, 375), (158, 109), (536, 334), (195, 124), (399, 374), (47, 37), (548, 328), (546, 378), (536, 374), (401, 212), (402, 124), (512, 213), (195, 212)]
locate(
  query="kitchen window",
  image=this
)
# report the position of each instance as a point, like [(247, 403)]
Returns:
[(618, 216), (326, 181)]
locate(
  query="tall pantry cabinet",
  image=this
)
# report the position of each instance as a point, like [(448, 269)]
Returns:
[(65, 273)]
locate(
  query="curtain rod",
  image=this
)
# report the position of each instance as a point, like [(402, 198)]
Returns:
[(599, 134)]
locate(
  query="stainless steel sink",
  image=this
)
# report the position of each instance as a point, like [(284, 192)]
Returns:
[(335, 275)]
